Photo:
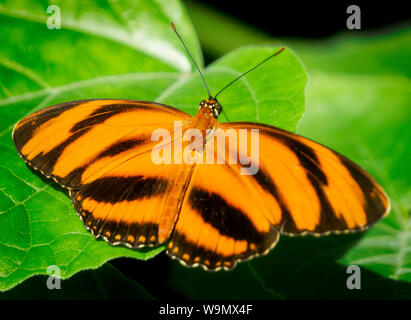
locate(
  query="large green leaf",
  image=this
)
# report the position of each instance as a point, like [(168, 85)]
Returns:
[(382, 53), (111, 50)]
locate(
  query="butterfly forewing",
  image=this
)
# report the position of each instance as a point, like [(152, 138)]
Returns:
[(64, 140), (308, 188)]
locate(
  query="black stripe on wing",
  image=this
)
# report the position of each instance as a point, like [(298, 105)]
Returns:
[(376, 202), (111, 189), (375, 207), (265, 181), (230, 222), (46, 162), (227, 219), (134, 235), (73, 179), (192, 255), (25, 130), (309, 161), (329, 221)]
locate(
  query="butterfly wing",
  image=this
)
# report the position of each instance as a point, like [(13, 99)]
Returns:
[(101, 151), (221, 221), (308, 188), (232, 213), (63, 140), (135, 202)]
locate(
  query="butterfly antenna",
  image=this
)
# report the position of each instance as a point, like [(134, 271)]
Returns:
[(192, 59), (255, 67)]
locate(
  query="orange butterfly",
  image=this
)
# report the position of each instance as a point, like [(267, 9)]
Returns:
[(212, 214)]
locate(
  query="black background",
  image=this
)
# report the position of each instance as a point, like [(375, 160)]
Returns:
[(311, 19)]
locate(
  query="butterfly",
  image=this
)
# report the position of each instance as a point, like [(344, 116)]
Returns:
[(209, 214)]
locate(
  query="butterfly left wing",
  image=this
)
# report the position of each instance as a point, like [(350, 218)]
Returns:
[(309, 188), (101, 151)]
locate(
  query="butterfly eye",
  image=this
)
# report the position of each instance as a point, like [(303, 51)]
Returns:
[(217, 108)]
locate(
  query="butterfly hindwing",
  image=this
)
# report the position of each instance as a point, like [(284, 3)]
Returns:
[(134, 202), (220, 223)]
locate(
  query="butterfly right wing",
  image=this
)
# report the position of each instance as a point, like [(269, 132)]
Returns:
[(299, 187), (309, 188)]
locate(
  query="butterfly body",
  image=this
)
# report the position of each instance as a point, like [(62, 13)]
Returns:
[(203, 121)]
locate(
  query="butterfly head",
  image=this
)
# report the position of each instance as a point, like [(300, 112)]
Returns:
[(212, 106)]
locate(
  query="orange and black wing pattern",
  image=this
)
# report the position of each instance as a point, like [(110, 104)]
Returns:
[(306, 187), (300, 187), (101, 151), (220, 221)]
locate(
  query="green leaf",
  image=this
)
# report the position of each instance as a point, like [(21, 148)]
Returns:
[(383, 53), (273, 94), (111, 50)]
